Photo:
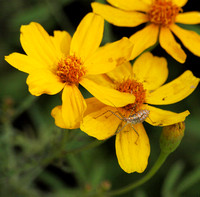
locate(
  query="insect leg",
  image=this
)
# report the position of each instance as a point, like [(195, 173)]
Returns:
[(120, 114), (136, 133), (122, 128), (121, 118), (132, 128), (118, 111), (151, 120)]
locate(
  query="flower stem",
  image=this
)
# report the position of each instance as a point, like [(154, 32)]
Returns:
[(161, 159)]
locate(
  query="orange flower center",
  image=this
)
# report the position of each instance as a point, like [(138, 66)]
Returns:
[(163, 12), (135, 88), (70, 70)]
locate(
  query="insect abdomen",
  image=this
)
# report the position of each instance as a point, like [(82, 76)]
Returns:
[(139, 117)]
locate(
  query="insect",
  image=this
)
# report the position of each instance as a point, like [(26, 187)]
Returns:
[(133, 119)]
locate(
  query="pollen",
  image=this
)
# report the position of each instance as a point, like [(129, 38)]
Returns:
[(163, 12), (136, 88), (70, 70)]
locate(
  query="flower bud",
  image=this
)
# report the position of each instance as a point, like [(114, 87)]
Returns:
[(171, 137)]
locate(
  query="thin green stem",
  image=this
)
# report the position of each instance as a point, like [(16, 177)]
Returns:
[(161, 159)]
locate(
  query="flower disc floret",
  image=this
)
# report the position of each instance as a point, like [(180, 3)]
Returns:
[(135, 88), (163, 12), (70, 70)]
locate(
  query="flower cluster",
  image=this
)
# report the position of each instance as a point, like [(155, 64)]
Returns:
[(123, 93)]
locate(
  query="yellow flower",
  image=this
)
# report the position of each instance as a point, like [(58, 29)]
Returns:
[(161, 17), (61, 62), (145, 80)]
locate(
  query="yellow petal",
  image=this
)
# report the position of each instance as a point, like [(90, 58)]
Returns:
[(190, 39), (180, 3), (188, 18), (93, 105), (174, 91), (148, 2), (121, 72), (100, 123), (73, 106), (88, 36), (56, 113), (144, 39), (130, 5), (168, 43), (106, 58), (38, 44), (159, 117), (24, 63), (102, 79), (107, 95), (44, 82), (119, 17), (132, 150), (152, 71), (62, 41)]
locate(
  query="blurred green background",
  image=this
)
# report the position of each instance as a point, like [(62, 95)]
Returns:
[(39, 159)]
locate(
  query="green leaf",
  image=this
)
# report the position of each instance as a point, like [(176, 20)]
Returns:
[(195, 28), (172, 178), (37, 13), (188, 181)]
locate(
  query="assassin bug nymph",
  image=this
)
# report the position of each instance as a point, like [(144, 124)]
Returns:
[(134, 118)]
